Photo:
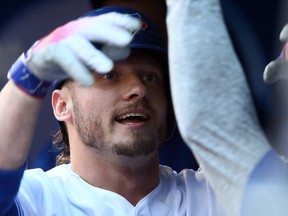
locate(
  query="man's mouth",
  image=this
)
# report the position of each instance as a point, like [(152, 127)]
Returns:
[(132, 118)]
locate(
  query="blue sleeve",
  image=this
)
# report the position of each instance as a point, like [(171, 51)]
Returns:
[(9, 186), (266, 192)]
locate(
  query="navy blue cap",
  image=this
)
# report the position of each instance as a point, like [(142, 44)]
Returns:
[(148, 37)]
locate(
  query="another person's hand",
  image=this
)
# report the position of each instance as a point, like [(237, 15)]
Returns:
[(68, 51), (278, 69)]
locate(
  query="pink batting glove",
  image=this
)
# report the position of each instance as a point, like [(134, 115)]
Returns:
[(68, 52)]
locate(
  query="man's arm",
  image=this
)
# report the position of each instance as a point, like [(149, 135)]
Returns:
[(19, 113), (211, 98)]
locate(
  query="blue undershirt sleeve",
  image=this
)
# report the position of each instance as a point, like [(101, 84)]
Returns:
[(9, 186)]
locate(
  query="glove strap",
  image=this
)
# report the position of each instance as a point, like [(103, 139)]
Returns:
[(26, 81)]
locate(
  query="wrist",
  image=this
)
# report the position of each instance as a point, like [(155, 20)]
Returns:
[(27, 81)]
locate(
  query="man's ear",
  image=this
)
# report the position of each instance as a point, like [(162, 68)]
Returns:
[(60, 102)]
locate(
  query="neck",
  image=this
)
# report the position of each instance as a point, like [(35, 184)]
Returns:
[(132, 178)]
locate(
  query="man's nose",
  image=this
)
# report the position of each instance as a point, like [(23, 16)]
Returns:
[(135, 88)]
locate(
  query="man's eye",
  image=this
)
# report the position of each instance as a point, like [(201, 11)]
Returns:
[(109, 76), (150, 77)]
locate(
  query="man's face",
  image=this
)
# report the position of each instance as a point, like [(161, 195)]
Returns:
[(125, 111)]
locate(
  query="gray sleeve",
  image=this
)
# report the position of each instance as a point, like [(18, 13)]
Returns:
[(211, 98)]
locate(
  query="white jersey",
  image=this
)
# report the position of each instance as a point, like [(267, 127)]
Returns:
[(60, 191)]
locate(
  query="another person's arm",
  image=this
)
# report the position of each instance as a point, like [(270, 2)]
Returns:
[(211, 98)]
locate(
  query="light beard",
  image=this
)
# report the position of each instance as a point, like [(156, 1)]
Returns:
[(139, 145), (91, 133)]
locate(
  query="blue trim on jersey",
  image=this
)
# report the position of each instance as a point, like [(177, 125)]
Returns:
[(9, 185)]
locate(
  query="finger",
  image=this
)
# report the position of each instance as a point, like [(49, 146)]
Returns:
[(271, 72), (108, 34), (116, 53), (112, 28), (71, 64), (122, 20), (93, 58), (276, 70), (284, 33)]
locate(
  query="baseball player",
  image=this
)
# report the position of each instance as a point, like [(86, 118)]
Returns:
[(112, 100)]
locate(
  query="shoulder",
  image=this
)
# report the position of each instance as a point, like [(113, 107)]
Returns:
[(186, 188), (37, 181), (186, 174), (38, 188), (61, 171), (186, 181)]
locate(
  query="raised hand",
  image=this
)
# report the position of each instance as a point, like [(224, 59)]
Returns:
[(68, 51), (278, 69)]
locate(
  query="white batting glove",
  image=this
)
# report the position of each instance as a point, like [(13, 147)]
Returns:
[(278, 69), (68, 52)]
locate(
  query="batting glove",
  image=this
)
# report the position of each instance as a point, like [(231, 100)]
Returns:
[(68, 52), (278, 69)]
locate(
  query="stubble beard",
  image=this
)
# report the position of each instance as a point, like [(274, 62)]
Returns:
[(92, 133)]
